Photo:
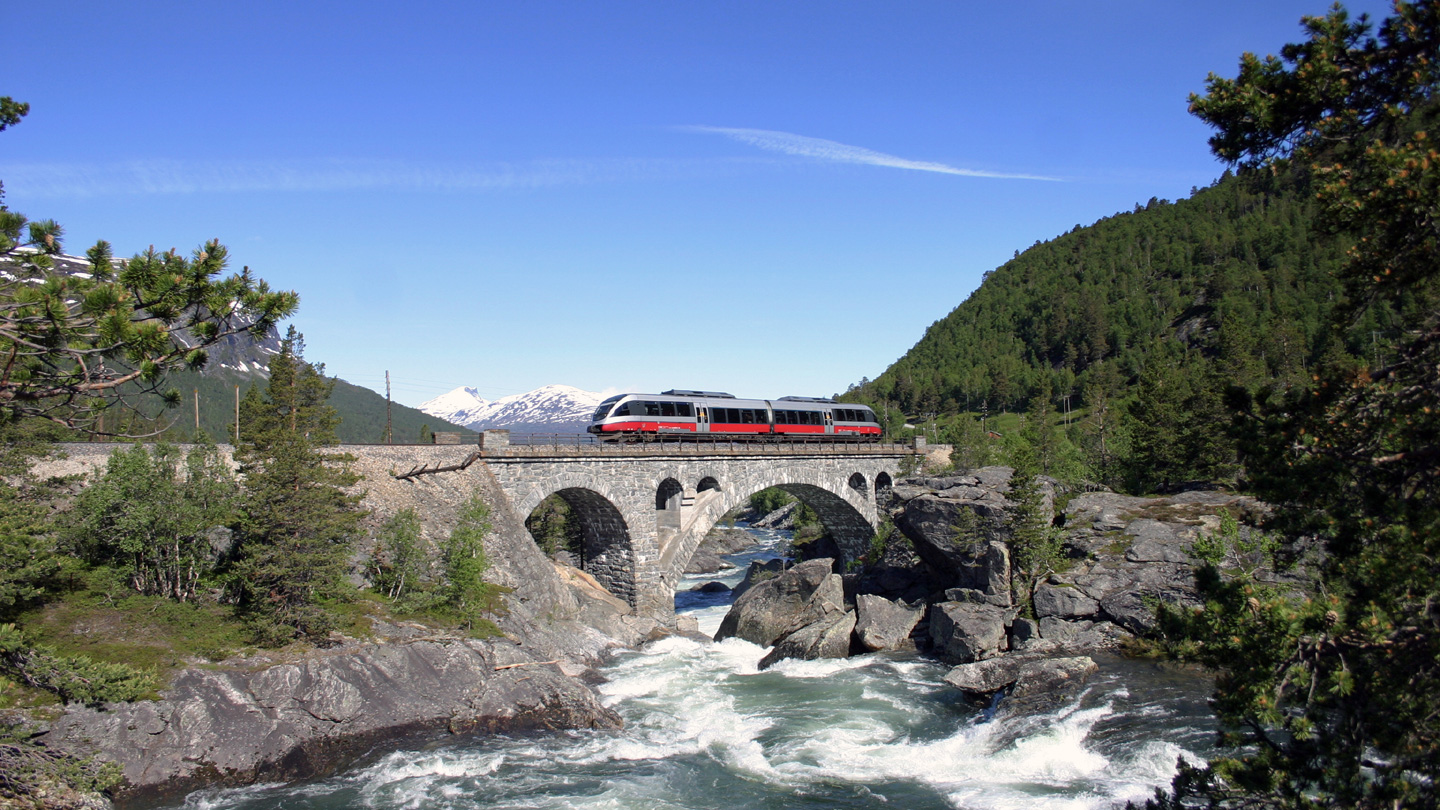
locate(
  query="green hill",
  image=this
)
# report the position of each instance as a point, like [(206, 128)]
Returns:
[(1234, 275), (1106, 354)]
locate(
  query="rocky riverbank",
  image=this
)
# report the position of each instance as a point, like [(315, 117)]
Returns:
[(942, 585), (298, 714)]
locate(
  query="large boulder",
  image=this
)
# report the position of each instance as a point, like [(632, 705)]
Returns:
[(1029, 682), (829, 637), (724, 540), (782, 518), (1064, 601), (881, 624), (962, 632), (792, 599), (705, 562), (759, 572)]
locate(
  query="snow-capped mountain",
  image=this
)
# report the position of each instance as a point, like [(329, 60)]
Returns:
[(459, 407), (549, 409)]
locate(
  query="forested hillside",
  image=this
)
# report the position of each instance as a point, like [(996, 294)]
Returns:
[(1236, 277)]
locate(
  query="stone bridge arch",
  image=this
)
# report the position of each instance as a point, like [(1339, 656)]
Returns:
[(608, 553), (847, 512)]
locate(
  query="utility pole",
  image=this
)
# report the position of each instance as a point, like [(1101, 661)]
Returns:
[(237, 416), (197, 411), (388, 438)]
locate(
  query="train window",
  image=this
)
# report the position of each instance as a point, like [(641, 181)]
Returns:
[(652, 409), (784, 418), (747, 417), (623, 410), (667, 409), (683, 409)]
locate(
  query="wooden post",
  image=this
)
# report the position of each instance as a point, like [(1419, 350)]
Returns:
[(197, 411), (237, 416)]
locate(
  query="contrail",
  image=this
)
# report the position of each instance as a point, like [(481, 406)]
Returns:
[(804, 146)]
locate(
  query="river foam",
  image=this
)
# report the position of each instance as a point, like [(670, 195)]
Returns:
[(705, 728)]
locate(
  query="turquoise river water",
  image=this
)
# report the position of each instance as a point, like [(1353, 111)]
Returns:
[(705, 729)]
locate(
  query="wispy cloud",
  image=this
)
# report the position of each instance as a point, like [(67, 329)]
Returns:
[(222, 176), (804, 146)]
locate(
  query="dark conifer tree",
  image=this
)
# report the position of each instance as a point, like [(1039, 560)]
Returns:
[(300, 522)]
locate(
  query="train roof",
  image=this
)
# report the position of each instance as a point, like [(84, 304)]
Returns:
[(680, 392)]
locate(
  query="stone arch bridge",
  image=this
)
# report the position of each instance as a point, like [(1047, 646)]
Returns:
[(644, 509)]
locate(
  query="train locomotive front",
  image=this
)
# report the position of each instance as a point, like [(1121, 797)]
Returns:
[(716, 415)]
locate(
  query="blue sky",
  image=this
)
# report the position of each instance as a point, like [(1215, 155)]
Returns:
[(760, 197)]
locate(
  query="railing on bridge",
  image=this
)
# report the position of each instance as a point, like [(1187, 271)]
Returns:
[(526, 444)]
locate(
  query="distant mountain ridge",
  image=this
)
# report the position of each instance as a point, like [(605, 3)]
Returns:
[(548, 409), (241, 361)]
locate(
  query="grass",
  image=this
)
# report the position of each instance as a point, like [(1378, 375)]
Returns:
[(98, 616), (148, 632)]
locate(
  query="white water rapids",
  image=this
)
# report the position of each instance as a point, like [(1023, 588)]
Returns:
[(705, 729)]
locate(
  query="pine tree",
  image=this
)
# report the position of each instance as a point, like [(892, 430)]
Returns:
[(299, 521), (1333, 700)]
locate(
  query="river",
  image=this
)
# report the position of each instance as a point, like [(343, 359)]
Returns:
[(705, 729)]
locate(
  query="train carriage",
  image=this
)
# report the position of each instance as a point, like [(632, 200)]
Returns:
[(718, 415)]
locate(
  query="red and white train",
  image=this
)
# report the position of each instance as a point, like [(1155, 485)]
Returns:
[(717, 415)]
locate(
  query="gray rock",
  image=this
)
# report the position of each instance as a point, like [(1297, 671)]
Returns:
[(722, 540), (827, 638), (311, 716), (1135, 610), (997, 478), (712, 587), (1001, 599), (758, 572), (782, 518), (963, 493), (705, 562), (881, 624), (962, 632), (793, 599), (1028, 679), (1063, 602), (981, 562), (909, 492), (1063, 631), (1150, 550), (1024, 630), (1101, 581)]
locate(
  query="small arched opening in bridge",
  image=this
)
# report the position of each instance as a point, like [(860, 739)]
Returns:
[(667, 495), (857, 483), (883, 485), (706, 484), (580, 527)]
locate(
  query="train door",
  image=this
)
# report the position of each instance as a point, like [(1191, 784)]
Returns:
[(829, 422), (702, 419)]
